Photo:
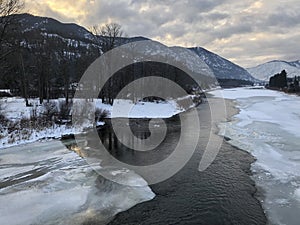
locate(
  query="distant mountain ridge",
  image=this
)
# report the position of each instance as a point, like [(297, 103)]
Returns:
[(223, 68), (79, 43), (52, 26), (266, 70), (295, 63)]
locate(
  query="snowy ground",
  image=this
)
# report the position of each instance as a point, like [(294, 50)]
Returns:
[(268, 127), (14, 109)]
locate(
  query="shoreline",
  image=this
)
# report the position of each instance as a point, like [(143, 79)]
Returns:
[(297, 94), (267, 128), (259, 193), (223, 192), (50, 133), (244, 160), (239, 166)]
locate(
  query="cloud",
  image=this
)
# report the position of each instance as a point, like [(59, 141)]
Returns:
[(248, 32), (284, 18)]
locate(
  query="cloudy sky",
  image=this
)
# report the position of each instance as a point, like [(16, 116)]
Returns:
[(247, 32)]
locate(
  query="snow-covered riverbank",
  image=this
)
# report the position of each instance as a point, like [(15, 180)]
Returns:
[(267, 126), (14, 110)]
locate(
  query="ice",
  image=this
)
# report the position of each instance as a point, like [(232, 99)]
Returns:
[(297, 194), (45, 183), (267, 126), (239, 93)]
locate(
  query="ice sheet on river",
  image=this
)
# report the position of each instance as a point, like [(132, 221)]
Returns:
[(268, 127), (45, 183)]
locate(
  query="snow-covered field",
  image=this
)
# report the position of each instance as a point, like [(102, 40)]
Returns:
[(145, 109), (268, 127), (14, 110)]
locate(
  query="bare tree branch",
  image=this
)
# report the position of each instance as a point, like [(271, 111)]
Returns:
[(7, 9), (110, 33)]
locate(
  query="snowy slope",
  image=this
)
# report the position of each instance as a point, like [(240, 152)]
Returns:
[(266, 70), (295, 63), (51, 26), (222, 68)]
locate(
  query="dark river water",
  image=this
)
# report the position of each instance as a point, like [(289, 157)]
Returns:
[(222, 194)]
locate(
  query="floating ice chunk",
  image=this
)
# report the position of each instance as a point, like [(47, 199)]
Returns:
[(297, 194)]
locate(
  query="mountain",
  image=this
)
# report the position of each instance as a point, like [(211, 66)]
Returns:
[(222, 68), (52, 26), (295, 63), (266, 70), (58, 50)]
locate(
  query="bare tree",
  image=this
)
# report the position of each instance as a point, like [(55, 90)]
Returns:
[(108, 37), (24, 79), (7, 9), (109, 33)]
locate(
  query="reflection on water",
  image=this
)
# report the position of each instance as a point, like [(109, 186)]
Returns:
[(222, 194), (87, 145)]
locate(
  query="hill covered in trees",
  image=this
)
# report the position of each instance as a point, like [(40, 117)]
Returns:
[(44, 58), (281, 81)]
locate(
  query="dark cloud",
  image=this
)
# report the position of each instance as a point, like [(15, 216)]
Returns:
[(229, 30), (284, 19), (217, 16), (248, 31)]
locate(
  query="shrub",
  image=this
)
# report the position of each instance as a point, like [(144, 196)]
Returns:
[(100, 114), (33, 113), (3, 119), (64, 112), (50, 109)]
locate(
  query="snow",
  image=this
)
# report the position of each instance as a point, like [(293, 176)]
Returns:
[(128, 109), (5, 90), (145, 109), (267, 126), (14, 109), (222, 68), (265, 71), (297, 194), (45, 183), (273, 113), (239, 93)]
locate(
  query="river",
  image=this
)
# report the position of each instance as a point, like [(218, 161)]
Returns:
[(46, 183), (267, 127)]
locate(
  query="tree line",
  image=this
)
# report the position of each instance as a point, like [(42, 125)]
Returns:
[(282, 82), (34, 63), (278, 80)]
